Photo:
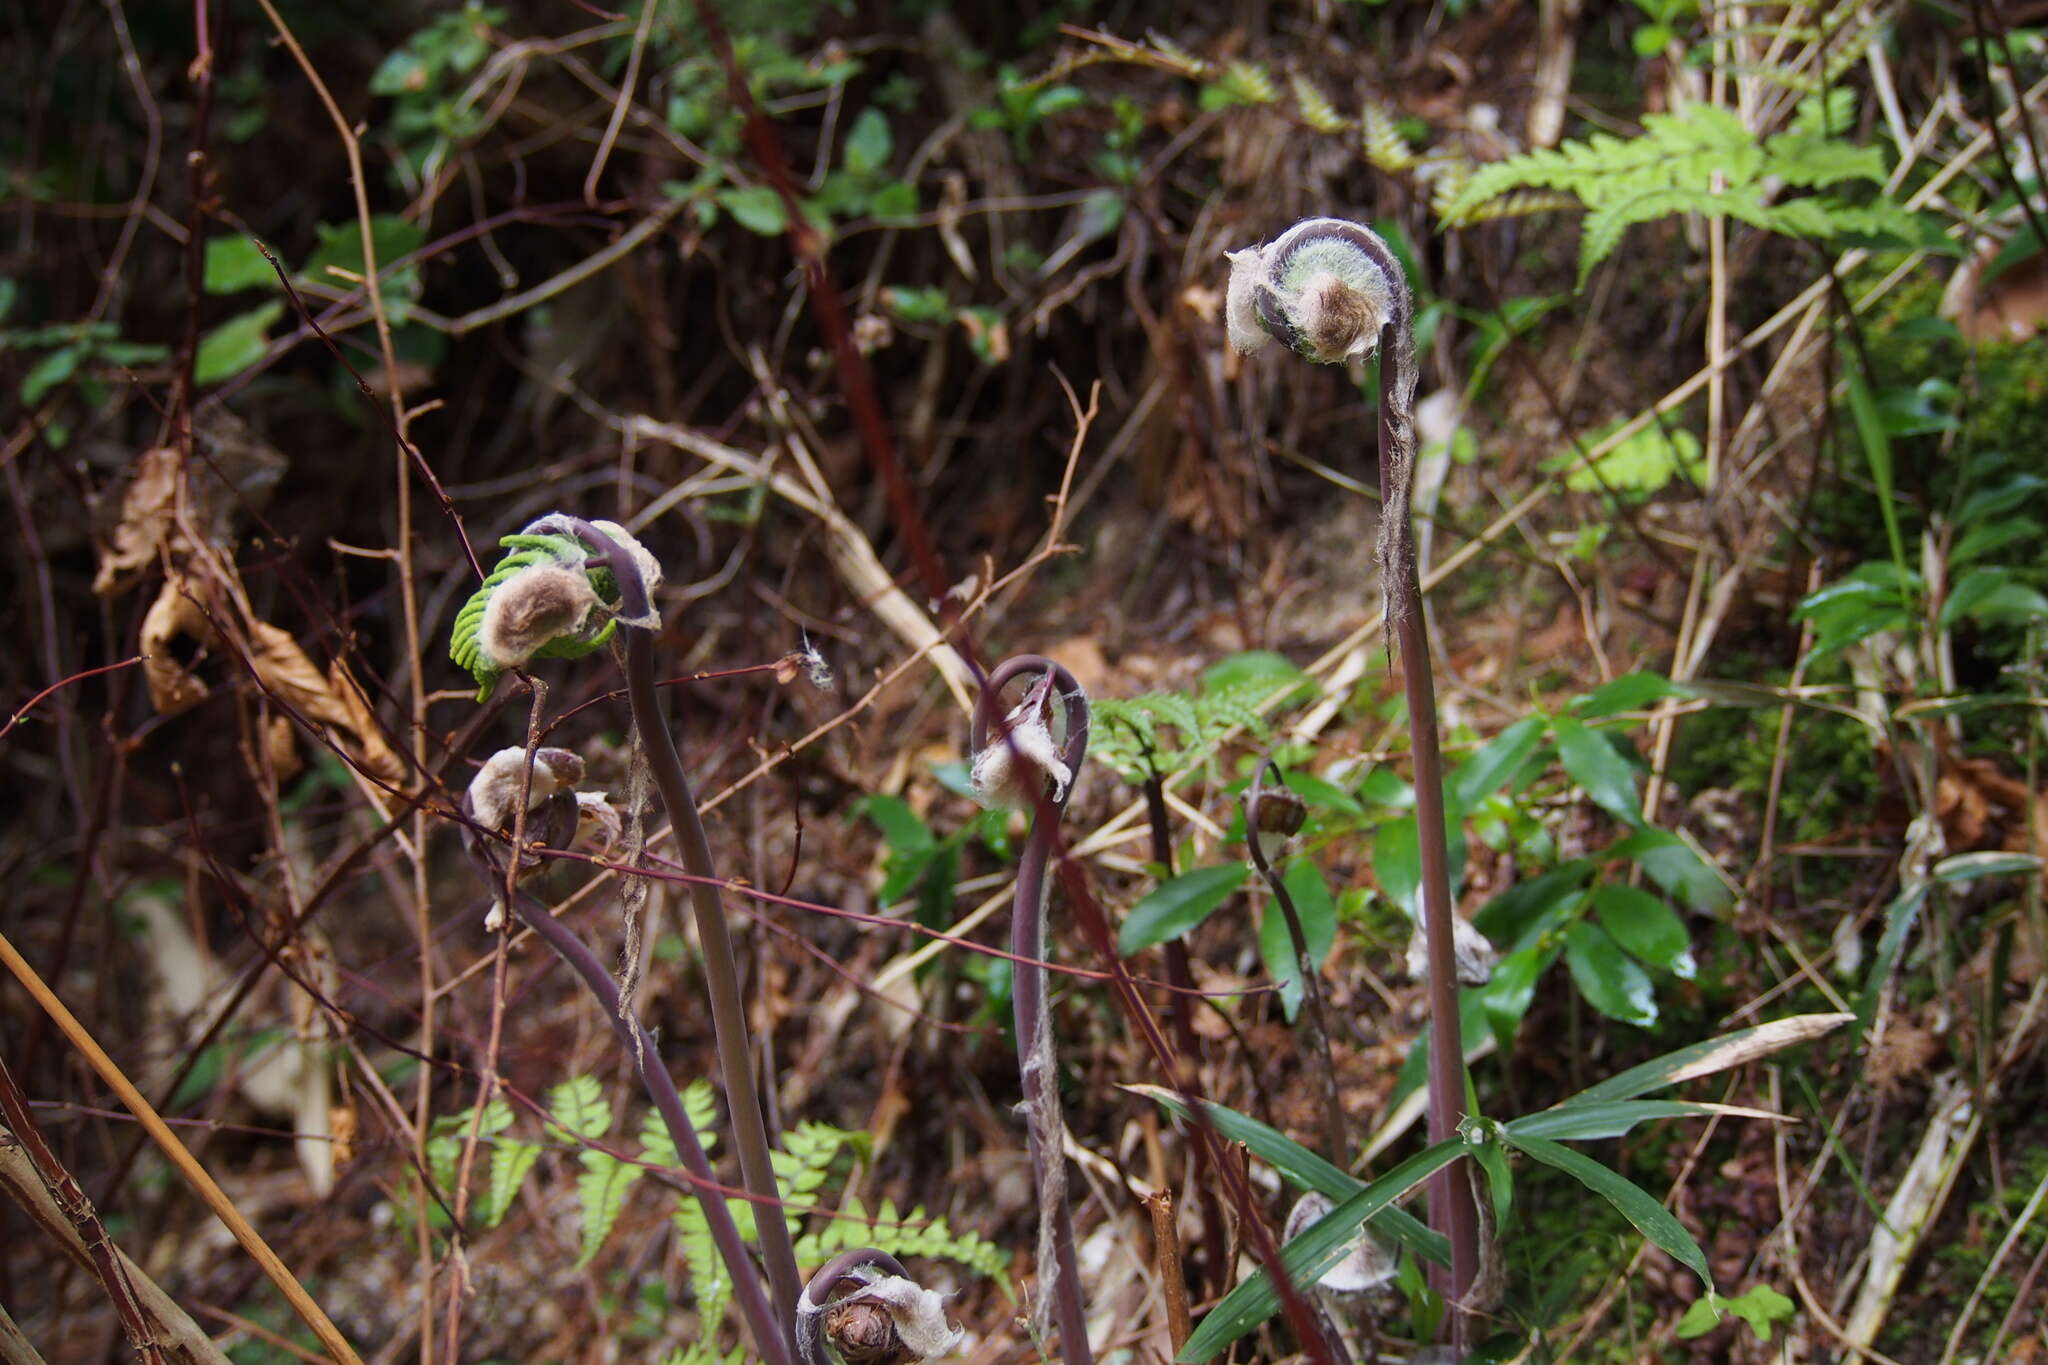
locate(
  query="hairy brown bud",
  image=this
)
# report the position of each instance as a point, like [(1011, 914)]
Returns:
[(863, 1333), (541, 603), (1338, 319)]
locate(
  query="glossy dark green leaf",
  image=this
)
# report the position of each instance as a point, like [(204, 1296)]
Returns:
[(1646, 927), (1320, 795), (236, 344), (1605, 775), (1611, 983), (1630, 692), (1670, 862), (1178, 905), (1650, 1218), (1311, 1255), (1317, 910), (1512, 987), (1397, 864), (901, 828), (1535, 906), (233, 264), (1497, 760), (869, 143)]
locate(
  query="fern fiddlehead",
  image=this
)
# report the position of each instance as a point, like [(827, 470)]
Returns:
[(1332, 291), (1017, 763)]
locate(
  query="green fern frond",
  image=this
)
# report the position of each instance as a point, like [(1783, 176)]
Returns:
[(1702, 161), (464, 643), (1242, 82), (601, 1193), (1379, 137), (578, 1105), (511, 1159), (1316, 110)]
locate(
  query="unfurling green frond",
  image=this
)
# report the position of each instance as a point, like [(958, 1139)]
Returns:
[(471, 645)]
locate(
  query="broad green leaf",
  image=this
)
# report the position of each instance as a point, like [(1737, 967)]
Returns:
[(1535, 906), (1261, 668), (1650, 1218), (757, 208), (1304, 1168), (1711, 1056), (1310, 1256), (1604, 774), (1644, 461), (52, 370), (1630, 692), (901, 828), (896, 200), (234, 264), (1610, 982), (1646, 927), (1992, 594), (1513, 985), (1499, 759), (236, 344), (1317, 910), (868, 143), (1670, 862), (1178, 905), (337, 262), (1320, 795), (1397, 864)]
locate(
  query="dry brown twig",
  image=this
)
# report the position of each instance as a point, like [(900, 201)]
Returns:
[(188, 1166)]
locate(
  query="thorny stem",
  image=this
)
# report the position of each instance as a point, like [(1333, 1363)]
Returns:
[(1317, 1022), (810, 1315), (721, 973), (770, 1338), (1037, 1061), (1451, 1207)]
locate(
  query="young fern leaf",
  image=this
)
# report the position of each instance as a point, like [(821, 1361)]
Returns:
[(1316, 110), (1379, 137), (511, 1160), (1672, 168), (1247, 83), (469, 645)]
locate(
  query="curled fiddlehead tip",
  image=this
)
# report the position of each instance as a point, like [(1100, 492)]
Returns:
[(559, 816), (557, 594), (1324, 287), (889, 1319), (1015, 754)]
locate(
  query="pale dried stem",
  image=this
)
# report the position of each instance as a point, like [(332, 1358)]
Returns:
[(179, 1156)]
